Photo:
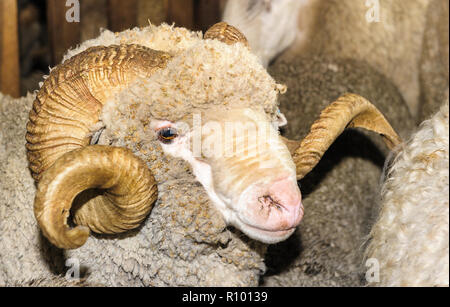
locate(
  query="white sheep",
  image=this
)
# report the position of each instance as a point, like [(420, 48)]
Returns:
[(116, 106), (410, 240)]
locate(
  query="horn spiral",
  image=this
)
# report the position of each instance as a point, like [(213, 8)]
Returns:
[(61, 122)]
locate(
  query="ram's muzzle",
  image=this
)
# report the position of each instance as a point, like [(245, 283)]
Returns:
[(253, 173)]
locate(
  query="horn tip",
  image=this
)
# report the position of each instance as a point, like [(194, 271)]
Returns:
[(71, 239)]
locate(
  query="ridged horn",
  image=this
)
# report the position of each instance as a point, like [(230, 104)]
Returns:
[(130, 191), (69, 103), (64, 116), (348, 111), (226, 33)]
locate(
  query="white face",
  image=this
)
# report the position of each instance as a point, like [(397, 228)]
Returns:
[(244, 167)]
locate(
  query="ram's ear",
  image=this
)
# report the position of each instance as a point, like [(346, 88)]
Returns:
[(226, 33)]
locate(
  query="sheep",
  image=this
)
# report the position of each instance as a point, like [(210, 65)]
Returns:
[(185, 240), (409, 241), (340, 195), (386, 34)]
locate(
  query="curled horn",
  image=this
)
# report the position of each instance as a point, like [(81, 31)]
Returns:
[(129, 186), (64, 116), (226, 33), (347, 111)]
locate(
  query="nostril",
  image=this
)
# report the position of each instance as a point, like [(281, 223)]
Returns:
[(267, 201)]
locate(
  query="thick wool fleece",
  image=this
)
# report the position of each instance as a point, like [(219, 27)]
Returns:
[(24, 253), (411, 237), (206, 75), (164, 37)]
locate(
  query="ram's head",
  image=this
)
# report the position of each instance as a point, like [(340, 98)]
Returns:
[(99, 116)]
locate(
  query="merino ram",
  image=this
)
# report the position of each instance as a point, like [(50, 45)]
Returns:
[(112, 133)]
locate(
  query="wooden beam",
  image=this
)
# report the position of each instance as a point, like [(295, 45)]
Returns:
[(122, 14), (153, 10), (207, 13), (62, 33), (9, 49), (181, 12), (195, 14), (94, 15)]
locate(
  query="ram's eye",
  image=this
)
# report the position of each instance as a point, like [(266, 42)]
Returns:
[(167, 135)]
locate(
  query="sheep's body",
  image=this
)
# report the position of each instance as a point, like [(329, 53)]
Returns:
[(410, 239), (392, 44), (340, 194)]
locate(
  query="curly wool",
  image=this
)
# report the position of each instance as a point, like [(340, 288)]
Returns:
[(207, 75), (411, 237), (342, 28), (164, 38), (24, 254)]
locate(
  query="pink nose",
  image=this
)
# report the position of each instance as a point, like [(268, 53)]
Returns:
[(275, 206)]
